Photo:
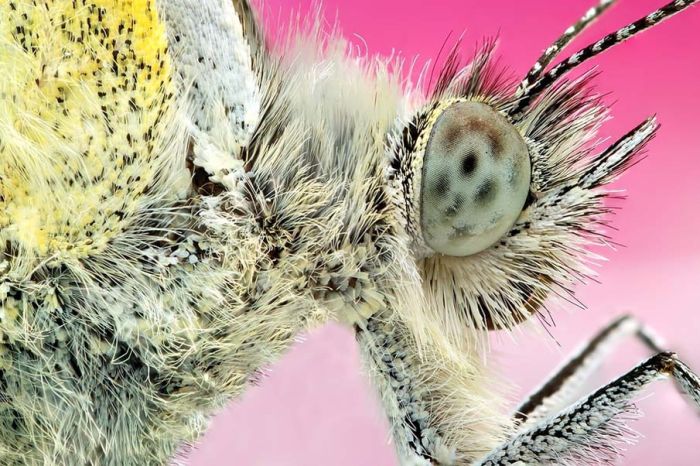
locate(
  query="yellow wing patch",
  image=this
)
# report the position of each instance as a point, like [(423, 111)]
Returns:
[(85, 99)]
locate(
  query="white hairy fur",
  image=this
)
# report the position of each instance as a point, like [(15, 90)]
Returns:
[(117, 353), (180, 200)]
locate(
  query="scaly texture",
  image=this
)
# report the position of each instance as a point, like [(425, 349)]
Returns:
[(179, 201), (118, 354)]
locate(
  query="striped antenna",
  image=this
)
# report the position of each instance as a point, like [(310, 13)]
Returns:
[(619, 156), (565, 39), (530, 93)]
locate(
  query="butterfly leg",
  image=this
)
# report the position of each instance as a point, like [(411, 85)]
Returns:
[(588, 431), (437, 398), (563, 382)]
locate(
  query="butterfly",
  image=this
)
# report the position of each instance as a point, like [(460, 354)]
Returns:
[(181, 199)]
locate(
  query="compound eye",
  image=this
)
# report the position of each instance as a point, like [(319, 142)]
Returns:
[(476, 178)]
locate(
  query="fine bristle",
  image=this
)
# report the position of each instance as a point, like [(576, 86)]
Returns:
[(546, 251), (180, 199)]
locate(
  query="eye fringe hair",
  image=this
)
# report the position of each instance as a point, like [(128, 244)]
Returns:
[(548, 250)]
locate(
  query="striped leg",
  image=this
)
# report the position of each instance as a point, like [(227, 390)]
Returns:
[(561, 385), (589, 431), (437, 398)]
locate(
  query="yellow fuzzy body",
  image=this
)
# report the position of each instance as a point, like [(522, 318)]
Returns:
[(86, 88), (87, 157)]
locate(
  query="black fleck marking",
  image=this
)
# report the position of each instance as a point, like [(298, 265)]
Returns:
[(486, 193), (531, 199)]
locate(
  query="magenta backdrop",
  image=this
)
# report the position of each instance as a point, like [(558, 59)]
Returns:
[(316, 407)]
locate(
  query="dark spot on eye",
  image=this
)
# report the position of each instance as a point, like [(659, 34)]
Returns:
[(441, 185), (486, 192), (469, 163)]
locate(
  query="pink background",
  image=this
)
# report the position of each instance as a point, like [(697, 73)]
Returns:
[(316, 407)]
